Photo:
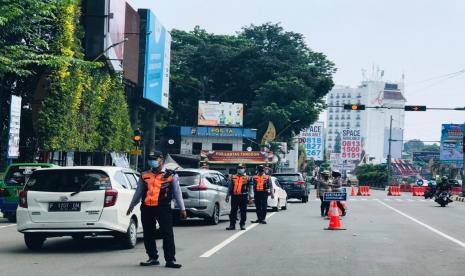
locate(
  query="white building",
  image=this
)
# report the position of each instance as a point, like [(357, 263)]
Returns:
[(374, 123)]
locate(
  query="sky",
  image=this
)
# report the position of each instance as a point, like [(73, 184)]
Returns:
[(422, 39)]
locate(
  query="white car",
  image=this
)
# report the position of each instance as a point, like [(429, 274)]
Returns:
[(279, 202), (78, 202)]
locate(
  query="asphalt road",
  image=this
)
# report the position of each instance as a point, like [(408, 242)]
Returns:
[(385, 236)]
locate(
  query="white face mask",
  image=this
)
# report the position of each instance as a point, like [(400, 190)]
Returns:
[(241, 171)]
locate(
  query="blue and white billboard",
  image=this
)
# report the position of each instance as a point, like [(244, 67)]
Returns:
[(156, 70), (452, 144)]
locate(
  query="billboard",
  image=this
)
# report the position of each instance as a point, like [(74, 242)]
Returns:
[(220, 114), (219, 132), (312, 139), (452, 144), (15, 122), (154, 70), (351, 144), (131, 47), (104, 26)]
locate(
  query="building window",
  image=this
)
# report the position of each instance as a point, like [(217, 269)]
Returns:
[(337, 110), (337, 96), (337, 117), (330, 110), (343, 117), (331, 96), (330, 131), (349, 96), (359, 95), (331, 117), (196, 148), (336, 124), (330, 139), (358, 124), (348, 124), (337, 102), (222, 146), (330, 124), (348, 117), (358, 117)]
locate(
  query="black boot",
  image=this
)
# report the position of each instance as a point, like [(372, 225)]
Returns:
[(150, 262), (231, 227), (173, 265), (242, 227), (255, 221)]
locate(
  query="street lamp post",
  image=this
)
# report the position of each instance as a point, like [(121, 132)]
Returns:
[(389, 154)]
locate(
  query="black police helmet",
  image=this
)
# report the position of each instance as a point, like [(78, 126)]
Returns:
[(155, 155), (260, 168)]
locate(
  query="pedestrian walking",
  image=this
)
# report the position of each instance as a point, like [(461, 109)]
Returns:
[(239, 190), (323, 187), (261, 188), (155, 190), (336, 186)]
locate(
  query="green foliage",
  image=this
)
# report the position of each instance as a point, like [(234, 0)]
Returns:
[(271, 71), (86, 109), (373, 175)]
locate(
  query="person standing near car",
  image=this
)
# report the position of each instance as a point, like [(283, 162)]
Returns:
[(155, 190), (321, 188), (337, 187), (239, 192), (261, 187)]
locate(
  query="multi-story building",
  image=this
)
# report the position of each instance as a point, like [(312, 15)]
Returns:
[(373, 123)]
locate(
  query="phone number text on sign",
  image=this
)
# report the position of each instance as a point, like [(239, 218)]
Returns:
[(351, 145)]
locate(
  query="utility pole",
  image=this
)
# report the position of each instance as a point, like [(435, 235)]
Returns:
[(389, 154)]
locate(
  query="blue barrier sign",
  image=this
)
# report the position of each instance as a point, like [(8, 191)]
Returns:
[(334, 196)]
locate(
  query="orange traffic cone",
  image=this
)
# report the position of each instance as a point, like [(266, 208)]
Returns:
[(352, 193), (334, 219)]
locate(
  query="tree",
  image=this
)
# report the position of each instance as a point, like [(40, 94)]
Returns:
[(271, 71), (372, 175), (413, 145)]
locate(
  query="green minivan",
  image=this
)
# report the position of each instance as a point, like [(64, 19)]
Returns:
[(12, 183)]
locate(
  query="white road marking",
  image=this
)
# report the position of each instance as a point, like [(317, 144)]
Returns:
[(352, 199), (398, 199), (432, 229), (218, 247), (9, 225), (363, 199)]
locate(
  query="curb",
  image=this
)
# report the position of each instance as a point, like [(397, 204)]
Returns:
[(458, 198)]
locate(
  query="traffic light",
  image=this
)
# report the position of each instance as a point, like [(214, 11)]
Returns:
[(137, 137), (354, 107), (415, 108)]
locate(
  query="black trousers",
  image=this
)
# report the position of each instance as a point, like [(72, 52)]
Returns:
[(238, 202), (149, 216), (324, 206), (261, 204)]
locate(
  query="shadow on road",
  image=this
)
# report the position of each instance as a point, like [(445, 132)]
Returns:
[(70, 246)]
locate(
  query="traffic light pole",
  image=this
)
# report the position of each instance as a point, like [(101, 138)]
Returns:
[(389, 154)]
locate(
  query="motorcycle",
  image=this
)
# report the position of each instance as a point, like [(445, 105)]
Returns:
[(443, 198)]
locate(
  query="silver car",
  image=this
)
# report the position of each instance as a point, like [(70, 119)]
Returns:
[(204, 193)]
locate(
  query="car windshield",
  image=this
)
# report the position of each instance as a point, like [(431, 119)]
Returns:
[(68, 181), (19, 175), (288, 178), (187, 178)]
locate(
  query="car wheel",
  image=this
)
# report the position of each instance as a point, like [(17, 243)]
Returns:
[(277, 208), (11, 217), (285, 206), (215, 218), (34, 241), (129, 239)]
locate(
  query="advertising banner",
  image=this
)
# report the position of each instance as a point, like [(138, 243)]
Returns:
[(312, 139), (425, 156), (115, 37), (236, 157), (351, 144), (15, 122), (219, 132), (452, 144), (220, 114), (156, 69)]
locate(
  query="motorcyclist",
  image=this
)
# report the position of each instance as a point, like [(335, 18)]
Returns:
[(443, 186)]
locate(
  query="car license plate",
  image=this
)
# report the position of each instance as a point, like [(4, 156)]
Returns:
[(64, 206)]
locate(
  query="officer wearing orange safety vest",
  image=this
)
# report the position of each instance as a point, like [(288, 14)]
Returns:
[(155, 191), (261, 188), (239, 191)]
